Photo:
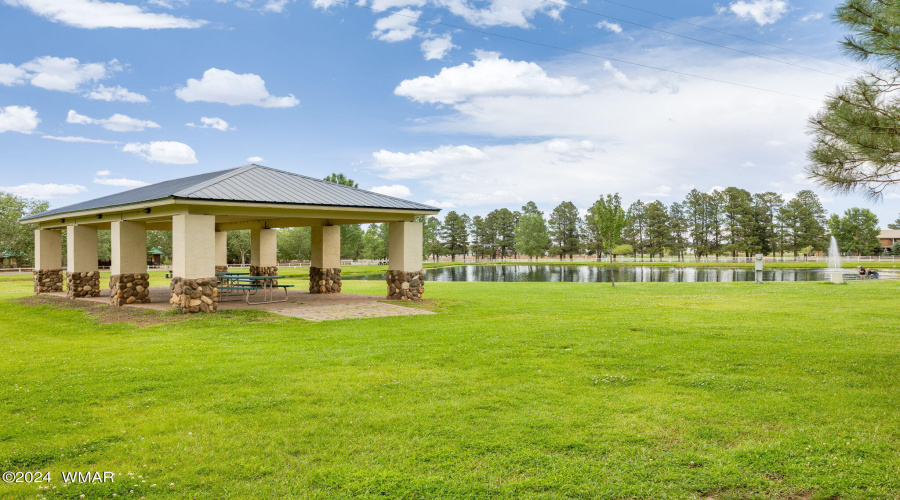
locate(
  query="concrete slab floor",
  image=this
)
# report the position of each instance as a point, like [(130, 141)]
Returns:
[(300, 304)]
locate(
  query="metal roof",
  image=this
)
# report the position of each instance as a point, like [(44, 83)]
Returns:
[(250, 183)]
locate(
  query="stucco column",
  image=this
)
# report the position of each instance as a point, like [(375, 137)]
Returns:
[(129, 282), (325, 260), (194, 284), (48, 272), (221, 251), (82, 276), (263, 252), (405, 276)]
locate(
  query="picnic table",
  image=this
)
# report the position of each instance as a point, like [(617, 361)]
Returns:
[(244, 286)]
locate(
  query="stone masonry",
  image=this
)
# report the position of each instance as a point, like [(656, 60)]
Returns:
[(83, 284), (404, 285), (324, 280), (221, 269), (129, 289), (48, 280), (194, 295), (264, 271)]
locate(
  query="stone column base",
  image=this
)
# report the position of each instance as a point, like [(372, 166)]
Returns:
[(48, 280), (221, 269), (324, 280), (83, 284), (129, 289), (194, 295), (403, 285), (264, 271)]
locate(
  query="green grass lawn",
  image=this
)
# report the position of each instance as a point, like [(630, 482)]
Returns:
[(514, 390)]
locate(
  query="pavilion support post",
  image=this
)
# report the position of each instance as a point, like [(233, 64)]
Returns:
[(221, 251), (325, 261), (263, 252), (129, 282), (194, 285), (48, 271), (82, 276), (405, 276)]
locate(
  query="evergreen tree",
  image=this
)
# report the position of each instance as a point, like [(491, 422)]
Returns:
[(431, 237), (532, 235), (658, 233), (342, 180), (738, 216), (351, 234), (856, 231), (635, 229), (564, 221), (503, 226), (696, 207), (766, 206), (678, 224), (804, 222), (455, 234), (895, 224), (592, 241), (375, 242), (856, 138)]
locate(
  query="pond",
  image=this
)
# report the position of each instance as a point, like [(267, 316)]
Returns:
[(593, 274)]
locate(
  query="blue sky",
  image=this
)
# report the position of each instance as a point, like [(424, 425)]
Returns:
[(424, 111)]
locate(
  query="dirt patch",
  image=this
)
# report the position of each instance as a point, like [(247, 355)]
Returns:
[(104, 313)]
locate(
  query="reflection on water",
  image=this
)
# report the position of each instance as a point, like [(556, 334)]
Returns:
[(593, 274)]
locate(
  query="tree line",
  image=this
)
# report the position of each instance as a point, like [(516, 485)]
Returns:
[(730, 222)]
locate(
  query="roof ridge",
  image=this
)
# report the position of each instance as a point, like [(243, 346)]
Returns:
[(215, 180), (336, 184)]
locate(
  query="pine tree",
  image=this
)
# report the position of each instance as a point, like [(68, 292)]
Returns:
[(678, 223), (804, 222), (657, 228), (564, 222), (856, 231), (609, 220), (636, 226), (455, 234), (432, 246)]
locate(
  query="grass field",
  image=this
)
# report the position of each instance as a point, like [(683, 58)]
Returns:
[(514, 390)]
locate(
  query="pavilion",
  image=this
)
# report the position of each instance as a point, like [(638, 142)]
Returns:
[(199, 210)]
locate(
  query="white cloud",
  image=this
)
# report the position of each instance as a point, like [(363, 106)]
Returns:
[(608, 26), (440, 204), (398, 26), (438, 47), (176, 153), (11, 74), (207, 122), (71, 138), (66, 74), (117, 93), (392, 165), (762, 11), (122, 182), (44, 191), (102, 172), (489, 75), (812, 16), (255, 159), (92, 14), (502, 12), (117, 122), (20, 119), (395, 190), (230, 88)]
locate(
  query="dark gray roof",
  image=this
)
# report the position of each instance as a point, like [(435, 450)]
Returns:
[(250, 183)]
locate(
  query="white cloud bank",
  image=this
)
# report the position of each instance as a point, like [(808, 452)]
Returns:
[(68, 74), (44, 191), (92, 14), (171, 152), (437, 47), (762, 11), (227, 87), (120, 182), (117, 122), (211, 122), (392, 165), (395, 190), (21, 119), (397, 26), (116, 93), (489, 75)]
